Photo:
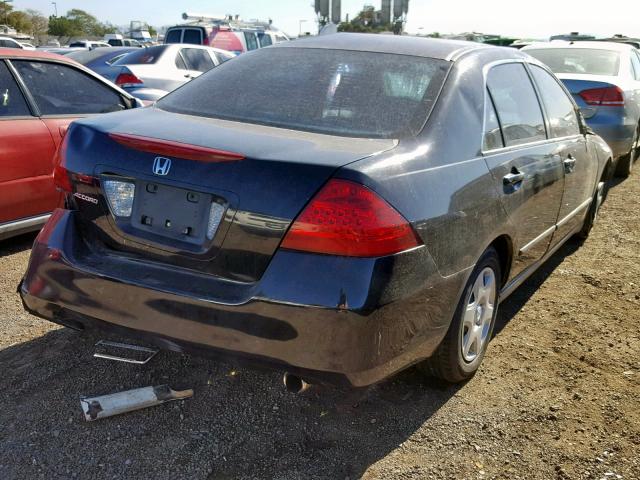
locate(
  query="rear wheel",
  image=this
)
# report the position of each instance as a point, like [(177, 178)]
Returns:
[(592, 215), (462, 350)]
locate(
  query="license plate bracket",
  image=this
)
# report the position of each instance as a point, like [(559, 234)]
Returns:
[(170, 212)]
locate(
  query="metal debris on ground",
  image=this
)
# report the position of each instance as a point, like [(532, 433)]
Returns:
[(95, 408)]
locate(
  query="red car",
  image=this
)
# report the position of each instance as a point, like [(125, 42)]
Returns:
[(40, 94)]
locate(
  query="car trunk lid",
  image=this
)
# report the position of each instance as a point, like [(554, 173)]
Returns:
[(254, 181)]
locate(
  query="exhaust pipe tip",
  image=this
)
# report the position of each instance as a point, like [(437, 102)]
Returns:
[(294, 383)]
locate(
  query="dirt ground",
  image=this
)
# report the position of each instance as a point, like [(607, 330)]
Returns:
[(557, 397)]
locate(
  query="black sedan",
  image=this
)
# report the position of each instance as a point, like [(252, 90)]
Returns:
[(340, 207)]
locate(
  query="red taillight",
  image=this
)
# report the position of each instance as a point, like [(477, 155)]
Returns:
[(175, 149), (61, 178), (127, 79), (348, 219), (607, 96), (206, 41)]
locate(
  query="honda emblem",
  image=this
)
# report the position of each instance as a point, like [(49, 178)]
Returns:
[(161, 166)]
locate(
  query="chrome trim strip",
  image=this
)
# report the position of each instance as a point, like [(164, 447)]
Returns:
[(540, 237), (24, 223), (581, 207)]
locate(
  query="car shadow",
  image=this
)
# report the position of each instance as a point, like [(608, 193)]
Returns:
[(11, 246), (519, 298), (241, 423)]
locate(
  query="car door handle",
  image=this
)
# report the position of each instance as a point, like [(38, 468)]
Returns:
[(569, 164), (513, 178)]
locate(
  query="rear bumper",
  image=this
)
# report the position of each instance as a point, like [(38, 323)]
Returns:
[(618, 134), (337, 320)]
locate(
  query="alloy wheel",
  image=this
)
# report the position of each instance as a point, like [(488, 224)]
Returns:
[(478, 315)]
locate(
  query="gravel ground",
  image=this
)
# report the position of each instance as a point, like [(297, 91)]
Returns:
[(557, 397)]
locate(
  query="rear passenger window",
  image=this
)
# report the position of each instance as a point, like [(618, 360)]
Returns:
[(173, 36), (63, 90), (192, 36), (563, 119), (492, 134), (516, 104), (252, 42), (197, 59), (265, 40), (12, 103)]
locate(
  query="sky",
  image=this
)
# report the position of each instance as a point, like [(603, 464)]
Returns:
[(542, 19)]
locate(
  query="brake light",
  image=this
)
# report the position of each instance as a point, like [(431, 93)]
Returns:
[(606, 96), (206, 41), (159, 146), (127, 80), (61, 178), (348, 219)]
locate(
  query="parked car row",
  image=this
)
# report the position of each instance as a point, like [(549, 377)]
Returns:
[(287, 219)]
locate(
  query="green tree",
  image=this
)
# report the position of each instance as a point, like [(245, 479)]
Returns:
[(39, 23), (153, 32), (87, 23), (20, 21), (5, 10), (64, 28)]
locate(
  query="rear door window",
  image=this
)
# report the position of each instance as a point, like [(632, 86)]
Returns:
[(265, 40), (12, 102), (174, 36), (492, 134), (516, 103), (63, 90), (197, 59), (252, 42), (563, 119), (192, 36)]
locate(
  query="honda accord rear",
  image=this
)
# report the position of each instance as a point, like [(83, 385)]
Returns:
[(319, 207)]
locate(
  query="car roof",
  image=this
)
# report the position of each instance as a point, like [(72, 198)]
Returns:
[(398, 44), (614, 46), (34, 54)]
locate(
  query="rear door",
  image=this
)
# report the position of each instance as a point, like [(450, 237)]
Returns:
[(198, 61), (526, 167), (193, 36), (580, 168), (63, 93), (26, 156)]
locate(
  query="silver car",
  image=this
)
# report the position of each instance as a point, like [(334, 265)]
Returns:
[(604, 80), (150, 73)]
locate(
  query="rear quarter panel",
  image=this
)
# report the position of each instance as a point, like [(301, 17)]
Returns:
[(439, 181)]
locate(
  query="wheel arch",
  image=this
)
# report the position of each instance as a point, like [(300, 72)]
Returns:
[(504, 246)]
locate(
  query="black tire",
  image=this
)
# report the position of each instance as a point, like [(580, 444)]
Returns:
[(448, 362), (592, 216), (625, 163)]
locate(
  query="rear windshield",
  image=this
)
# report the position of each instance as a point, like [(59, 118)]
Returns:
[(579, 60), (173, 36), (142, 56), (358, 94)]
